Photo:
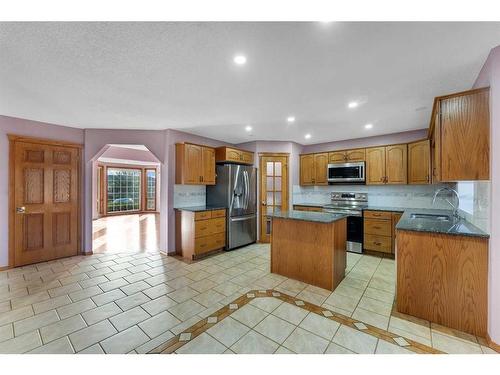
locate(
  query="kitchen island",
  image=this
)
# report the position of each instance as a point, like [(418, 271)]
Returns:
[(309, 247)]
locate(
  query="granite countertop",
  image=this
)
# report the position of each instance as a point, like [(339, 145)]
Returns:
[(309, 204), (386, 208), (459, 227), (318, 217), (200, 208)]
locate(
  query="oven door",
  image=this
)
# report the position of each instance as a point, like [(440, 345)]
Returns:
[(346, 172)]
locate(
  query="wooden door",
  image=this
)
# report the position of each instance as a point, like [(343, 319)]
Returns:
[(45, 201), (321, 169), (465, 137), (419, 163), (273, 190), (436, 149), (396, 169), (192, 164), (208, 163), (306, 169), (375, 166), (355, 155), (337, 157)]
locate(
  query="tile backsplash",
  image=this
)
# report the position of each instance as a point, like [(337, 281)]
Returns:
[(475, 202), (414, 196), (189, 195)]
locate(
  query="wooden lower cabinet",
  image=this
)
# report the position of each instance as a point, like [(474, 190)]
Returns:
[(443, 279), (198, 233), (380, 230), (307, 208)]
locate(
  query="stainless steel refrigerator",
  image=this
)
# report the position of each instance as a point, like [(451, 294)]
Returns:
[(236, 189)]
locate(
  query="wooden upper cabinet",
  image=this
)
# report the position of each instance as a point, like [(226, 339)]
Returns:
[(396, 164), (375, 166), (465, 136), (194, 164), (321, 169), (306, 169), (208, 160), (346, 156), (419, 163), (337, 157), (436, 150), (233, 155), (356, 155)]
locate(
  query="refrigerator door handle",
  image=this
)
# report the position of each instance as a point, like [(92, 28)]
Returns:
[(247, 189), (242, 218)]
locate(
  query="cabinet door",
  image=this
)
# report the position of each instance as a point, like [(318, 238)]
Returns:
[(233, 155), (355, 155), (375, 166), (208, 166), (419, 162), (337, 157), (436, 150), (396, 164), (247, 157), (306, 169), (465, 144), (192, 164), (321, 169)]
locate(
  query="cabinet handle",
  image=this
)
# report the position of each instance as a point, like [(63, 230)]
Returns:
[(377, 243), (377, 227), (376, 214)]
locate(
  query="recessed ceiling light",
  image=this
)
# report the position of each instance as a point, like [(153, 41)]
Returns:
[(352, 104), (290, 119), (368, 126), (240, 59), (248, 128), (307, 136)]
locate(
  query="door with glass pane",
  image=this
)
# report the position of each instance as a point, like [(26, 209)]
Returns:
[(273, 189)]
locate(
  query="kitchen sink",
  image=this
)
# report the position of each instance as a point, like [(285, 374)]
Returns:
[(430, 217)]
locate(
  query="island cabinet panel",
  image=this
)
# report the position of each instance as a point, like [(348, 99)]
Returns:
[(194, 164), (419, 163), (311, 252), (307, 208), (443, 279), (233, 155), (375, 166), (465, 137)]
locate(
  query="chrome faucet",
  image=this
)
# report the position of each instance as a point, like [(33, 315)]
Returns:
[(455, 207)]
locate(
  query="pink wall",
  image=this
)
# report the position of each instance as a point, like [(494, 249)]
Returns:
[(379, 140), (115, 152), (490, 76), (11, 125)]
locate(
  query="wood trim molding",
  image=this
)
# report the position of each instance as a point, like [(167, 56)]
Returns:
[(493, 345), (43, 141), (287, 154)]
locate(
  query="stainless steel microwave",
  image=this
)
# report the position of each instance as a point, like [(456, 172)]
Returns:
[(346, 173)]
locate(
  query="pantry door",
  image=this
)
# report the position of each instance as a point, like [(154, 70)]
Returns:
[(44, 194), (273, 189)]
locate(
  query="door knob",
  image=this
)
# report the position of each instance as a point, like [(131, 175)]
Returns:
[(263, 203), (21, 210)]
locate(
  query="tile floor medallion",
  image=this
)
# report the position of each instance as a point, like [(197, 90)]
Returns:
[(226, 303)]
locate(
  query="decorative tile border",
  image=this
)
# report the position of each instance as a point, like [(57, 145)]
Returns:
[(203, 325)]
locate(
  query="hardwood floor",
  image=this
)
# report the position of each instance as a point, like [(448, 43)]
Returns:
[(127, 233)]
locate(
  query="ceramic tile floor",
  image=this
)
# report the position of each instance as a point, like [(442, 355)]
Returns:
[(132, 303)]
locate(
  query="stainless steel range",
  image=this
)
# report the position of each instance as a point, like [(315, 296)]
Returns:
[(353, 205)]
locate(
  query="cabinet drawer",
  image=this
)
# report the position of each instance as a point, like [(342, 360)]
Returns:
[(218, 240), (202, 228), (378, 243), (202, 245), (217, 225), (378, 227), (202, 215), (384, 215), (218, 213)]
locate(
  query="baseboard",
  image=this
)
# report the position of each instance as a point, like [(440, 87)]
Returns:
[(5, 268), (493, 345)]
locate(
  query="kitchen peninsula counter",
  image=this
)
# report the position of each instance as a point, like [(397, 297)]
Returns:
[(309, 247)]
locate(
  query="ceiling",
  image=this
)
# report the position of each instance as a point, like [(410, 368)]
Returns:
[(182, 75)]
